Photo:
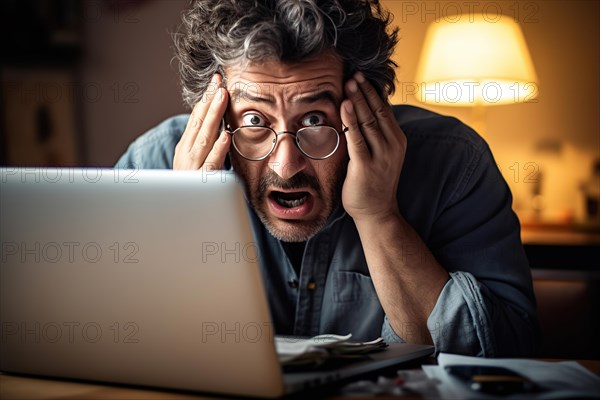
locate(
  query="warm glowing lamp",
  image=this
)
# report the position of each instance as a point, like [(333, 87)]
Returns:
[(474, 60)]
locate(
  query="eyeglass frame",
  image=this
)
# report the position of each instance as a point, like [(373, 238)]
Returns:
[(227, 129)]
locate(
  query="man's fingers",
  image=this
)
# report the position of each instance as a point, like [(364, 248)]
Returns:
[(379, 109), (358, 148), (193, 127), (216, 157), (201, 133), (199, 113), (206, 137), (367, 122)]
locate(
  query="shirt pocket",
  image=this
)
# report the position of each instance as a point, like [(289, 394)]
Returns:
[(352, 287)]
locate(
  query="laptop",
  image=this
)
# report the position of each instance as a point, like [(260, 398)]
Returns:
[(143, 277)]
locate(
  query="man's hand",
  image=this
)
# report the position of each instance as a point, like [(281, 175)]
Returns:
[(376, 146), (200, 146)]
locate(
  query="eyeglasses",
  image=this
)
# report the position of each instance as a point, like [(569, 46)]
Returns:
[(256, 143)]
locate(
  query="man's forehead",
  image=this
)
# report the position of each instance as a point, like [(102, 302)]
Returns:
[(290, 92), (293, 82)]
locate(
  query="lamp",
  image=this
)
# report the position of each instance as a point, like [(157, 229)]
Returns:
[(474, 60)]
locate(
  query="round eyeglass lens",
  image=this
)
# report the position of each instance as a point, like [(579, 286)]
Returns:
[(254, 142), (318, 141)]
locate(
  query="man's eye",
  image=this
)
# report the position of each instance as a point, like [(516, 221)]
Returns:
[(253, 120), (313, 119)]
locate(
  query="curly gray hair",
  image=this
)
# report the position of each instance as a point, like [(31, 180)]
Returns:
[(218, 33)]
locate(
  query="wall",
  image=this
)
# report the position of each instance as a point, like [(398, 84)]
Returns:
[(558, 134), (128, 57)]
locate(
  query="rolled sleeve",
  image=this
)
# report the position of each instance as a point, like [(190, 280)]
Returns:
[(460, 321), (388, 334)]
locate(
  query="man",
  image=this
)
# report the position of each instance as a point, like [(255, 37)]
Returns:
[(372, 220)]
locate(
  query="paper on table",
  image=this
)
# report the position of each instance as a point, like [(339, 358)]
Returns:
[(293, 350), (565, 379)]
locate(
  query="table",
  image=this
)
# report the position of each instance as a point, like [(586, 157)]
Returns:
[(566, 281), (562, 247), (16, 387)]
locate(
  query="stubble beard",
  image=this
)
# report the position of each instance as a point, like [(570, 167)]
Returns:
[(293, 230)]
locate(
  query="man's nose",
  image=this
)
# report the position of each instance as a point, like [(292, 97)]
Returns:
[(287, 159)]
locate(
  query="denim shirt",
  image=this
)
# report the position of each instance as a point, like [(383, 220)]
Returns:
[(452, 193)]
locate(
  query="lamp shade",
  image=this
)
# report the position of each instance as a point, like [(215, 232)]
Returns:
[(473, 60)]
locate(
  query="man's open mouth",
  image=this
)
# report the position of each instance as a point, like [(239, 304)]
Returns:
[(289, 199)]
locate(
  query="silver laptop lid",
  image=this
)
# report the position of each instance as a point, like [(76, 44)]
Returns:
[(134, 276)]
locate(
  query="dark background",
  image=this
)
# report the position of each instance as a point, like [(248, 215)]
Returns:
[(81, 79)]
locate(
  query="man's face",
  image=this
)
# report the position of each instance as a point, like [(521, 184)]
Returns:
[(292, 194)]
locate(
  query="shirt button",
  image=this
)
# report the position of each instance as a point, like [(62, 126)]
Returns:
[(312, 285), (293, 283)]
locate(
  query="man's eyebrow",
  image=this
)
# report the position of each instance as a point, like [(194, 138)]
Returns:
[(311, 96), (238, 94), (316, 96)]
